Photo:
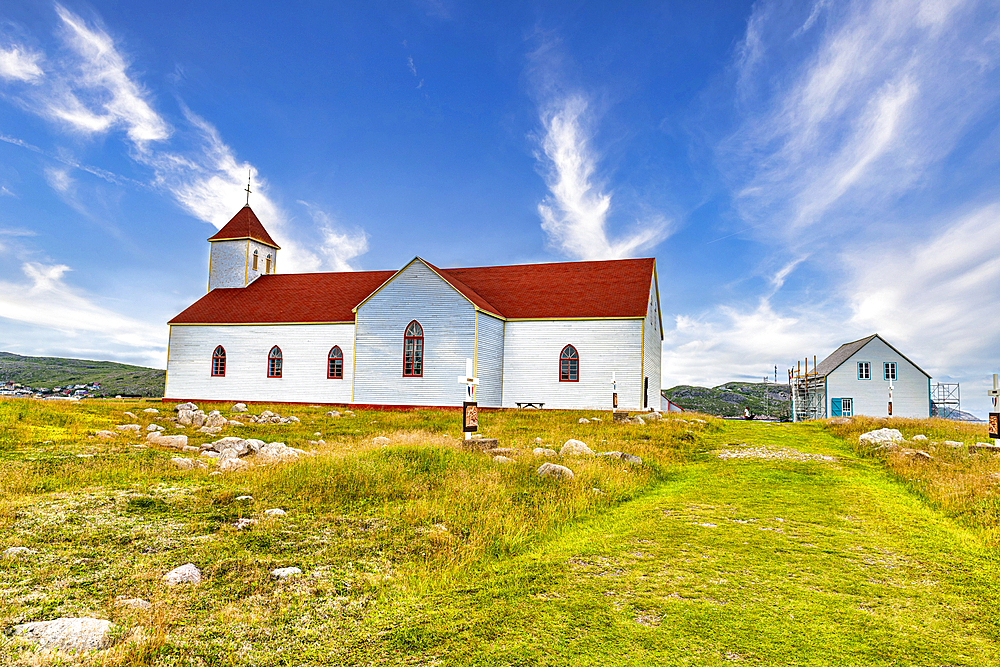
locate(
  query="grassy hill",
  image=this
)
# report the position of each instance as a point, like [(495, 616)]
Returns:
[(50, 372), (728, 400)]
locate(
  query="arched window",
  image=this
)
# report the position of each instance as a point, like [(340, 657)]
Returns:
[(413, 350), (335, 364), (569, 365), (274, 363), (267, 264), (219, 362), (254, 267)]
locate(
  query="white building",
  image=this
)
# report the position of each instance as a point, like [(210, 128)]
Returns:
[(551, 334), (857, 376)]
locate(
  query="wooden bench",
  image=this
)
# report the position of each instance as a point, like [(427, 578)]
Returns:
[(529, 404)]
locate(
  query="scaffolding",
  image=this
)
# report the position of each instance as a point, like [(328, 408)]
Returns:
[(946, 401), (808, 390)]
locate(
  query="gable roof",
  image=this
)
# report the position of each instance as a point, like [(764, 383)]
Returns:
[(608, 289), (244, 225), (847, 350)]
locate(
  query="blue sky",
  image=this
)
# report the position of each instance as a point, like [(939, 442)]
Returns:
[(805, 174)]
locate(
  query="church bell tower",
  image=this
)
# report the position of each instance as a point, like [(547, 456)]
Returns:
[(241, 252)]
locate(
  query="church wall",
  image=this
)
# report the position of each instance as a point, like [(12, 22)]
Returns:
[(448, 321), (531, 363), (231, 262), (304, 350), (652, 348), (489, 361)]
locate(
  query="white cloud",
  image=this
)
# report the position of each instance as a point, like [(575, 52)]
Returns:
[(575, 216), (45, 300), (59, 179), (337, 247), (19, 64)]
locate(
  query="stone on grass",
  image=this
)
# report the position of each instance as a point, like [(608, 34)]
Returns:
[(185, 574), (232, 465), (984, 447), (953, 444), (575, 448), (152, 411), (380, 440), (14, 552), (554, 471), (332, 413), (182, 463), (211, 430), (920, 438), (538, 441), (294, 420), (285, 572), (133, 603), (67, 634), (215, 419), (275, 512), (135, 428), (105, 435), (175, 441), (277, 452), (638, 420), (622, 456), (502, 459), (248, 499), (541, 451), (154, 427), (185, 406), (243, 524), (583, 420), (654, 416), (882, 436), (239, 407)]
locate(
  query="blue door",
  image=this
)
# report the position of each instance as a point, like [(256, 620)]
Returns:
[(836, 407)]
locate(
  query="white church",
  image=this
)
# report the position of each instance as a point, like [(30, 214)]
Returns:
[(552, 335)]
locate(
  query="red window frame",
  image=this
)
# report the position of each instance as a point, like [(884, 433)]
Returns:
[(335, 364), (413, 350), (569, 364), (274, 362), (219, 362)]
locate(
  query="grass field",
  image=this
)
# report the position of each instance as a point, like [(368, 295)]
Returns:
[(795, 546), (50, 372)]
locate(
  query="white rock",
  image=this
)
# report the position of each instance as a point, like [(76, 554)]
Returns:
[(105, 435), (233, 422), (182, 463), (133, 603), (627, 458), (882, 436), (317, 434), (198, 418), (185, 406), (275, 512), (638, 420), (554, 471), (502, 459), (538, 441), (920, 438), (276, 452), (154, 427), (583, 420), (130, 415), (232, 465), (243, 524), (654, 416), (67, 634), (175, 441), (285, 572), (239, 407), (134, 428), (294, 420), (14, 552), (152, 411), (248, 499), (953, 444), (332, 413), (185, 417), (575, 448), (380, 440), (541, 451), (211, 430), (215, 419), (185, 574)]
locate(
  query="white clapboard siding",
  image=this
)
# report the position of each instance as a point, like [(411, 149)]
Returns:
[(652, 348), (305, 349), (448, 321), (911, 389), (489, 361), (531, 363), (231, 262)]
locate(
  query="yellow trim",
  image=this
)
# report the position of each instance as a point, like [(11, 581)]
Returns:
[(570, 319), (170, 331), (248, 238), (659, 306), (642, 367), (475, 353), (354, 360), (246, 269), (250, 324), (211, 248)]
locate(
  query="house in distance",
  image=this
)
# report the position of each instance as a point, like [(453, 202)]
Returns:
[(552, 334), (855, 380)]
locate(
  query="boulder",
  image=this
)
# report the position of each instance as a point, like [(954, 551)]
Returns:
[(152, 411), (480, 444), (185, 417), (239, 407), (14, 552), (105, 435), (583, 420), (185, 574), (332, 413), (211, 430), (215, 419), (538, 441), (654, 416), (154, 427), (954, 444), (575, 448), (293, 420), (275, 512), (198, 418), (130, 415), (638, 420), (134, 428), (133, 603), (622, 456), (503, 459), (244, 499), (67, 634), (175, 441), (182, 463), (380, 440), (267, 414), (882, 436), (285, 572), (276, 452), (984, 447), (919, 438), (541, 451), (232, 465), (190, 448), (233, 422), (185, 406), (554, 471)]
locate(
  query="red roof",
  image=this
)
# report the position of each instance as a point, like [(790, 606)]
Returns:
[(244, 225), (614, 288)]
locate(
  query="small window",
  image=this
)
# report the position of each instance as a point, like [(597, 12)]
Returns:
[(413, 350), (864, 370), (219, 362), (335, 364), (267, 264), (889, 370), (274, 363), (254, 267), (569, 365), (847, 407)]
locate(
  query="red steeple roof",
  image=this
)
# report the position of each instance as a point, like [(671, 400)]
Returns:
[(244, 225)]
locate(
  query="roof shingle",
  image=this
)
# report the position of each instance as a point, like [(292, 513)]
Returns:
[(244, 225)]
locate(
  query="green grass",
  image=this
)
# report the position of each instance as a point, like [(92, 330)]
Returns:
[(421, 552), (114, 378), (728, 400)]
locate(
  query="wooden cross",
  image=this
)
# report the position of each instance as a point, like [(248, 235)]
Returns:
[(248, 187)]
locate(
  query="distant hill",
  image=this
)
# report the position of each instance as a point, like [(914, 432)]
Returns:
[(728, 400), (50, 372)]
